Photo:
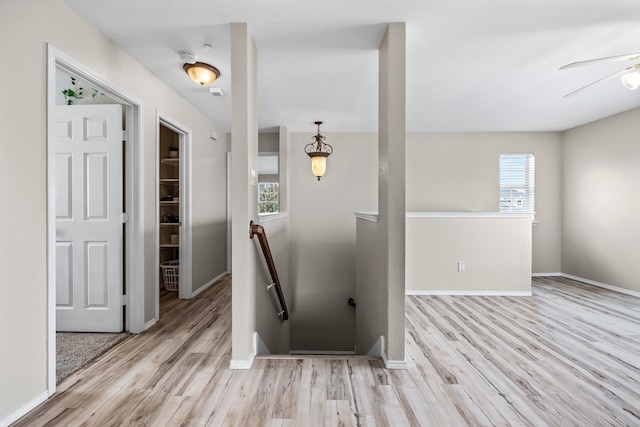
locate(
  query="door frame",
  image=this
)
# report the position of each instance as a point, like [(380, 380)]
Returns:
[(134, 192), (185, 150), (229, 213)]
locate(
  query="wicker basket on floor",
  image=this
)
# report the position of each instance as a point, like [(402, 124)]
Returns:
[(170, 275)]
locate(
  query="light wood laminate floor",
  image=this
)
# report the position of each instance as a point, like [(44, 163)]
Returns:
[(567, 356)]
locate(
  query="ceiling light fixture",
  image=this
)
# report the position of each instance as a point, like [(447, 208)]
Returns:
[(201, 73), (632, 80), (318, 151)]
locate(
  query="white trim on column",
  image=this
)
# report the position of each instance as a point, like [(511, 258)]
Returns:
[(393, 364), (242, 364), (390, 364)]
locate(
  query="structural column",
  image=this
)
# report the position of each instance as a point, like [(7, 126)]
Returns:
[(391, 183), (244, 199)]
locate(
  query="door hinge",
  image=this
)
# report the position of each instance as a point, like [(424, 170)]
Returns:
[(124, 299), (124, 217), (125, 135)]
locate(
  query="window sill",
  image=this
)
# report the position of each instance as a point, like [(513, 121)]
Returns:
[(266, 217)]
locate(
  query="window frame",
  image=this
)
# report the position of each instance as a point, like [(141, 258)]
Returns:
[(261, 202), (519, 176)]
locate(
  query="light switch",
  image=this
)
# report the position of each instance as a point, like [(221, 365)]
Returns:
[(253, 178)]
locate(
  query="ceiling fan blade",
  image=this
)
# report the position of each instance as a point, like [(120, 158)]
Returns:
[(610, 76), (626, 57)]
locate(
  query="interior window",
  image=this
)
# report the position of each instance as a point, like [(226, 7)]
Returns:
[(268, 197), (268, 183)]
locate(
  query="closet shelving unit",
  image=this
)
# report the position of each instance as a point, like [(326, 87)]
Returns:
[(169, 209)]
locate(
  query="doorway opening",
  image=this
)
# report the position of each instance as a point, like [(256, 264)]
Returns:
[(129, 221), (173, 212)]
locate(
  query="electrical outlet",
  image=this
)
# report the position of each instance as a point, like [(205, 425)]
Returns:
[(461, 266)]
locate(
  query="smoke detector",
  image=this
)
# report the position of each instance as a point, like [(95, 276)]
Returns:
[(216, 91), (187, 56)]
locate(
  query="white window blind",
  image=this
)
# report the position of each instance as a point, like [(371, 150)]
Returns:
[(517, 183)]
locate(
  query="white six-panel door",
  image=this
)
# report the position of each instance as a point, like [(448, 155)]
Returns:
[(88, 205)]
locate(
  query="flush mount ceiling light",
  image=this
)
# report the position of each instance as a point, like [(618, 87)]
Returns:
[(318, 151), (201, 73)]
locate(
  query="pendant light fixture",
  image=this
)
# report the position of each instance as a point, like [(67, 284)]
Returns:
[(318, 151)]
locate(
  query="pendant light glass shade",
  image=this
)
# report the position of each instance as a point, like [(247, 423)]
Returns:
[(318, 165), (202, 73)]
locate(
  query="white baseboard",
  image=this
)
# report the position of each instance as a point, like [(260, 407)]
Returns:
[(321, 353), (246, 363), (546, 274), (393, 364), (603, 285), (242, 364), (471, 293), (209, 283), (21, 412), (149, 324)]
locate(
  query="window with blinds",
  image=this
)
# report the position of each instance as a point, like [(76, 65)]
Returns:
[(517, 183)]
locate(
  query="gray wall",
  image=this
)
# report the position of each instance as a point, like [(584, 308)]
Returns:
[(496, 250), (323, 238), (244, 149), (23, 317), (208, 209), (601, 201), (274, 334), (444, 172), (450, 172)]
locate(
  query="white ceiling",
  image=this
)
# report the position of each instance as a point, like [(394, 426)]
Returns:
[(472, 65)]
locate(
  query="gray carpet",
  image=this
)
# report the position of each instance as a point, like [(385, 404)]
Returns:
[(74, 350)]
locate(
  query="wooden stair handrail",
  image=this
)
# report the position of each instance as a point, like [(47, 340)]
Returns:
[(255, 229)]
